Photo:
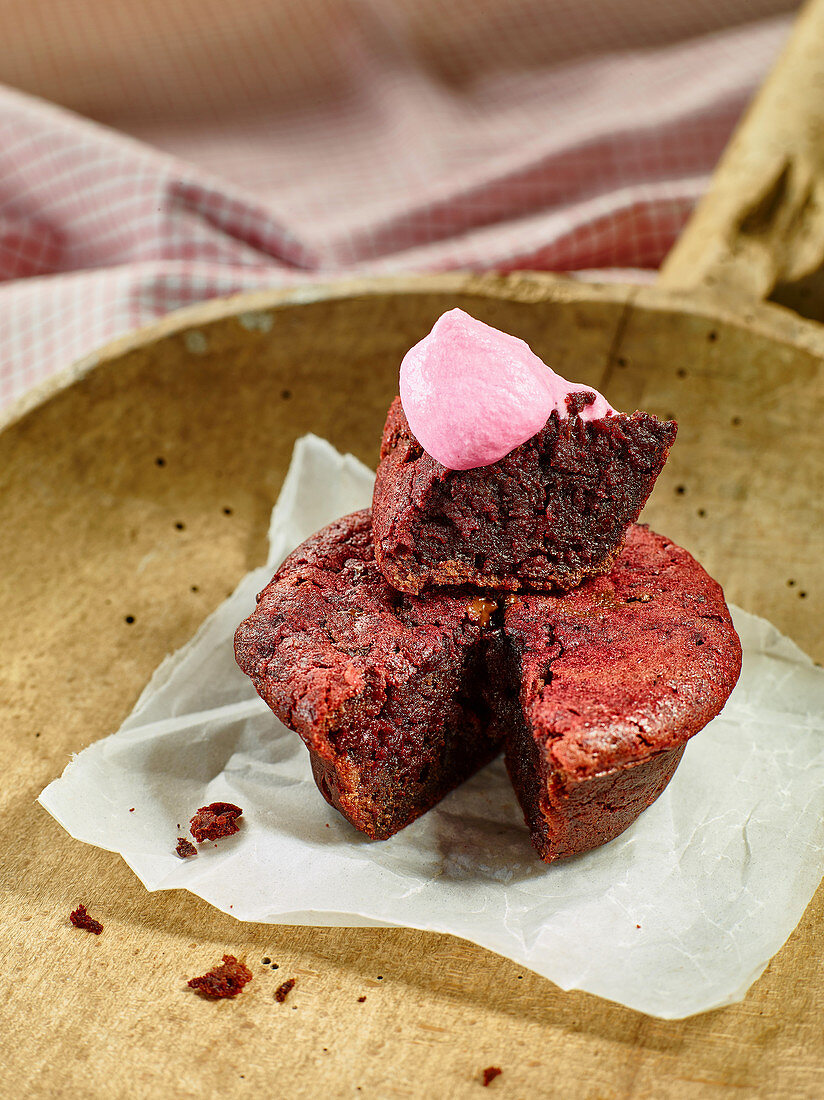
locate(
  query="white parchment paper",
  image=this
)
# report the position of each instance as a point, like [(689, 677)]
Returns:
[(679, 915)]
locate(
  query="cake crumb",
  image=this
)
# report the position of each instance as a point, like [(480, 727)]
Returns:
[(185, 848), (490, 1073), (361, 1000), (80, 919), (216, 820), (284, 989), (225, 980)]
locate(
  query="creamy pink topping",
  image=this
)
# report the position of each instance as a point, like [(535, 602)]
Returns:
[(472, 394)]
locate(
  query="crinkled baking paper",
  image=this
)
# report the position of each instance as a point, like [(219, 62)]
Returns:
[(678, 915)]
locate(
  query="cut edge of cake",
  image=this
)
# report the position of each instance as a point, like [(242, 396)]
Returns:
[(550, 513)]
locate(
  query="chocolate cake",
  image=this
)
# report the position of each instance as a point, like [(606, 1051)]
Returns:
[(553, 511), (400, 698), (383, 688)]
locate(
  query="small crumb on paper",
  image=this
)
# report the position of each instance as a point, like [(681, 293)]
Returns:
[(185, 848), (80, 919), (226, 980), (217, 820)]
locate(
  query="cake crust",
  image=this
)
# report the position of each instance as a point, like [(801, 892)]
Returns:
[(551, 512)]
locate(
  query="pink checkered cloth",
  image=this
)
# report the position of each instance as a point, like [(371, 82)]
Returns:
[(259, 144)]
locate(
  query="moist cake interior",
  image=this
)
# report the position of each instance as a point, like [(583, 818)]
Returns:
[(553, 511)]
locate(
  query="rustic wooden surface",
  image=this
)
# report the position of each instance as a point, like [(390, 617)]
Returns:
[(89, 535)]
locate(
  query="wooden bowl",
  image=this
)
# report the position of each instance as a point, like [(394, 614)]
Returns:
[(137, 491)]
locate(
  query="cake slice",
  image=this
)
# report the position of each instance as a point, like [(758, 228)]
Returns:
[(605, 685), (551, 512), (382, 688)]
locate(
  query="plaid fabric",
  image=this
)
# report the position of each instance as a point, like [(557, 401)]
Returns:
[(252, 145)]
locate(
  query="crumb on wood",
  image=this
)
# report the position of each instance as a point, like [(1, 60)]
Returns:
[(284, 989), (185, 848), (214, 821), (490, 1073), (361, 1000), (80, 919), (225, 980)]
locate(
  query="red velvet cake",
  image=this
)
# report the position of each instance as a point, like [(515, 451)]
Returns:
[(551, 512), (401, 698)]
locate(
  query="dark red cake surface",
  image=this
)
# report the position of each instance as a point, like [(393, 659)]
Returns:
[(381, 687), (553, 511), (400, 698), (611, 681)]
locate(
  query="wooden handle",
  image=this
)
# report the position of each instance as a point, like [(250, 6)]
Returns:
[(759, 230)]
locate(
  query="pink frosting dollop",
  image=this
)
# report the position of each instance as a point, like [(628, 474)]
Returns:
[(472, 393)]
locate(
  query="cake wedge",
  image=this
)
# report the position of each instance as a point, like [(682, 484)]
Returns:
[(496, 471)]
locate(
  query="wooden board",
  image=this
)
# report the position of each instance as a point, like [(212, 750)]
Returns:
[(140, 487)]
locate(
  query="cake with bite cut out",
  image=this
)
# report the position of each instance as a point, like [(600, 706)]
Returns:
[(594, 693), (499, 594)]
